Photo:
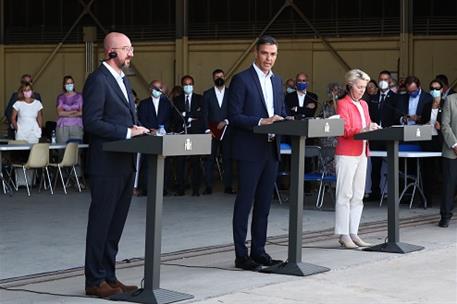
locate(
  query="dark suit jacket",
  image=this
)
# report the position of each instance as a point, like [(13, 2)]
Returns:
[(246, 107), (403, 104), (107, 115), (291, 102), (213, 112), (149, 118), (386, 114), (198, 126)]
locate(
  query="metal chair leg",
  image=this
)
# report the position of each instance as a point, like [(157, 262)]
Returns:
[(49, 180), (26, 180), (76, 178), (61, 179)]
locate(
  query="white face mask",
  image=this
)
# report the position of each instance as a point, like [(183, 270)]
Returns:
[(383, 85)]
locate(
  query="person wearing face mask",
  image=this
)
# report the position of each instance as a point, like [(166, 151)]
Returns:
[(382, 107), (431, 115), (351, 160), (191, 107), (154, 111), (411, 104), (69, 112), (301, 104), (216, 115), (27, 115), (25, 79), (446, 91), (290, 86)]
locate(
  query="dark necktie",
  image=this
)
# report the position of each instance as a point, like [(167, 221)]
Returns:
[(187, 105), (381, 106)]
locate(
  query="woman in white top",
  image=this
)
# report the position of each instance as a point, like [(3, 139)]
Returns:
[(27, 117)]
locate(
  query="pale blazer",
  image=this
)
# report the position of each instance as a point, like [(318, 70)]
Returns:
[(449, 126)]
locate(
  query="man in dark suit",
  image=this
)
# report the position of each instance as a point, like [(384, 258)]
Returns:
[(108, 115), (301, 103), (216, 115), (153, 112), (382, 108), (256, 98), (191, 107), (26, 78), (412, 104)]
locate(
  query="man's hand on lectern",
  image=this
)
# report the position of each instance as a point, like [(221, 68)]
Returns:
[(270, 120), (138, 130)]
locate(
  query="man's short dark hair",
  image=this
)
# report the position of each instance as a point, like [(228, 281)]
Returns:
[(217, 71), (412, 79), (443, 79), (187, 77), (386, 72), (265, 40)]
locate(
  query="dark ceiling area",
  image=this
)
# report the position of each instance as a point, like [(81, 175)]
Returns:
[(47, 21)]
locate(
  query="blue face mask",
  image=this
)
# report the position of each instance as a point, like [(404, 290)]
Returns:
[(435, 93), (188, 89), (414, 94), (301, 86), (69, 87), (290, 90), (156, 93)]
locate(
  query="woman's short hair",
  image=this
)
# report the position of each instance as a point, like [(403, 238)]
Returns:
[(353, 75)]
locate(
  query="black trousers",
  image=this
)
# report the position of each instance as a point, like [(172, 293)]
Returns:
[(108, 211), (219, 147), (449, 187), (181, 173)]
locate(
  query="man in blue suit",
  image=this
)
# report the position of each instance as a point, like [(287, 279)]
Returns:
[(411, 105), (153, 112), (256, 98), (216, 115), (108, 115)]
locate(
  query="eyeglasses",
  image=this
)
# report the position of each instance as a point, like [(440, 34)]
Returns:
[(125, 48)]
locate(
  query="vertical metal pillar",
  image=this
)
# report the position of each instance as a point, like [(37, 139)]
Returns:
[(181, 40), (89, 37), (406, 47)]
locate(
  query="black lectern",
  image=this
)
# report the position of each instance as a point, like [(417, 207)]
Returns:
[(156, 148), (391, 136), (299, 130)]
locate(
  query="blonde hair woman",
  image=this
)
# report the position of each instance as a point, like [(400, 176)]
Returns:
[(351, 160)]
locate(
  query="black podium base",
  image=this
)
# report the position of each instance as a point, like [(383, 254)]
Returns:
[(394, 247), (296, 269), (156, 296)]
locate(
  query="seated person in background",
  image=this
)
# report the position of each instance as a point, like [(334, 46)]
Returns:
[(27, 116), (69, 111), (154, 111), (26, 78), (190, 105), (301, 104)]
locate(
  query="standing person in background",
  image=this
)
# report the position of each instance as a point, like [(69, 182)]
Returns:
[(191, 107), (27, 115), (69, 113), (108, 115), (449, 131), (25, 79), (351, 160), (446, 89), (256, 98), (412, 104), (216, 115), (290, 86), (301, 104)]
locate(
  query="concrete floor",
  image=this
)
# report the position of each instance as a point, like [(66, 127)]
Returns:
[(46, 233)]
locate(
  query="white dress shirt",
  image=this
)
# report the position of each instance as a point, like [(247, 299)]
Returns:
[(267, 89), (119, 79), (301, 98), (219, 95), (155, 102)]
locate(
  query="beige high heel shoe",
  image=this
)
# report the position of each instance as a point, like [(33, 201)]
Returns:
[(359, 242), (347, 242)]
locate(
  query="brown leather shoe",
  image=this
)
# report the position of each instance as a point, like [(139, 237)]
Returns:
[(124, 288), (104, 290)]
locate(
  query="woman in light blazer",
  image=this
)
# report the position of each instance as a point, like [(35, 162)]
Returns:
[(351, 160)]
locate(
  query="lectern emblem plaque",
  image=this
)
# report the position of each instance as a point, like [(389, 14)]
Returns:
[(188, 145), (418, 132), (327, 128)]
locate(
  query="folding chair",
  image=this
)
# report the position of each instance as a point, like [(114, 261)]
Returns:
[(69, 160)]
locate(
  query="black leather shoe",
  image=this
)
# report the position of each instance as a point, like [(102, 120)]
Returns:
[(246, 263), (195, 193), (444, 223), (229, 190), (208, 190), (265, 260)]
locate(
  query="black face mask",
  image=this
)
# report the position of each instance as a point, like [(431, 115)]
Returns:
[(219, 82)]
